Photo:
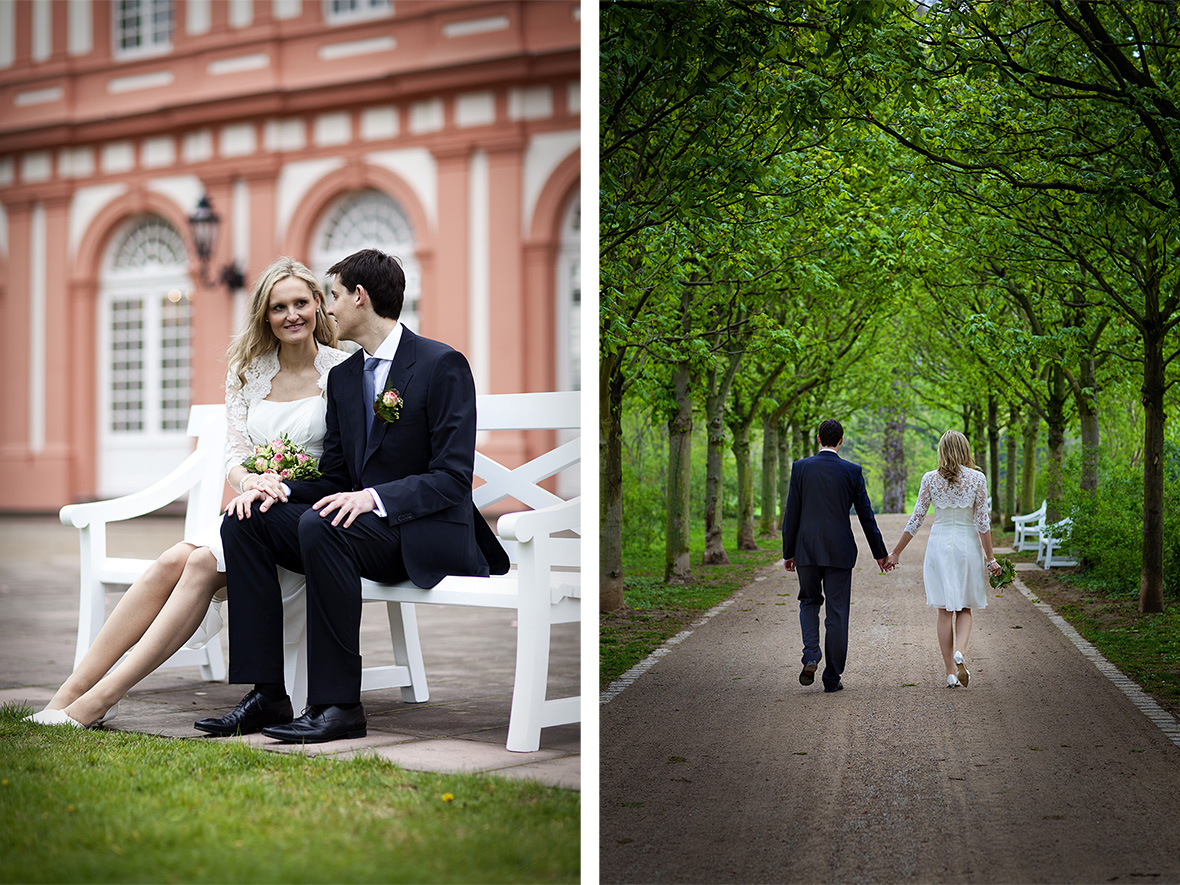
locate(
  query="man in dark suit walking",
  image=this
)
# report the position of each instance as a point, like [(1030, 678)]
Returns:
[(818, 545), (394, 502)]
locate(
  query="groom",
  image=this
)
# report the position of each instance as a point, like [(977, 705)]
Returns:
[(819, 546), (394, 502)]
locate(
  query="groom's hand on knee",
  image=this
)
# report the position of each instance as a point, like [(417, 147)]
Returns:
[(346, 505)]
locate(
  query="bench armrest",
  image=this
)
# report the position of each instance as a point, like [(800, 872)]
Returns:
[(140, 503), (524, 525)]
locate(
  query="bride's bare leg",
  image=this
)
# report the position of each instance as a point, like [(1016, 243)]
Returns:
[(946, 639), (963, 630), (173, 625), (129, 620)]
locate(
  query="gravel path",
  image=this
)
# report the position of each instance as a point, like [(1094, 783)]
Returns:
[(717, 766)]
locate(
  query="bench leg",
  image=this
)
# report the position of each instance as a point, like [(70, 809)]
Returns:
[(532, 674), (213, 667), (407, 649)]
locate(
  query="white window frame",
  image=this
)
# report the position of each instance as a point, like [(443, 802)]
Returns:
[(367, 10), (150, 45)]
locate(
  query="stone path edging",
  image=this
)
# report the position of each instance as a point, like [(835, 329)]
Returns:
[(1136, 695), (617, 687)]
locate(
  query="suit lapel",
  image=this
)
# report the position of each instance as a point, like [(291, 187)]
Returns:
[(400, 373)]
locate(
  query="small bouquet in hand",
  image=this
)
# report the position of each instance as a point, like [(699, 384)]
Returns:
[(283, 457), (1005, 576)]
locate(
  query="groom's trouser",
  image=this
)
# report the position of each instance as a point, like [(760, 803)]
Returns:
[(816, 581), (334, 559)]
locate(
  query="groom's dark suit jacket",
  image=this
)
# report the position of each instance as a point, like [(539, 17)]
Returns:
[(816, 528), (420, 464)]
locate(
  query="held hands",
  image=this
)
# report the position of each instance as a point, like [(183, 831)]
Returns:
[(268, 483), (255, 487), (889, 563), (345, 504)]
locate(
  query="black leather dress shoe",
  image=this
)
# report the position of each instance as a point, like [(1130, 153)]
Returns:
[(839, 686), (320, 724), (808, 675), (253, 713)]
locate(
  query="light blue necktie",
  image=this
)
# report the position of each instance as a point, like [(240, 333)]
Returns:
[(370, 385)]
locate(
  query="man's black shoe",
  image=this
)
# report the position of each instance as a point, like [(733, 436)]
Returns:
[(320, 724), (808, 675), (253, 713), (839, 686)]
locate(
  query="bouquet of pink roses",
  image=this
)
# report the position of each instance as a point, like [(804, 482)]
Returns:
[(281, 456)]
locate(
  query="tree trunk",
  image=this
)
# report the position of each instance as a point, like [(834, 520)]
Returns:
[(993, 452), (1151, 577), (768, 522), (677, 564), (893, 449), (610, 480), (1055, 419), (714, 414), (1028, 489), (1088, 419), (1010, 465), (979, 439), (745, 482), (785, 436)]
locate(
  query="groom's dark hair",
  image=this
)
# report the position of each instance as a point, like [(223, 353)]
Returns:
[(830, 433), (380, 274)]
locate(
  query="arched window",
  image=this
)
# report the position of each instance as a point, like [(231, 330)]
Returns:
[(370, 219), (144, 355), (569, 298)]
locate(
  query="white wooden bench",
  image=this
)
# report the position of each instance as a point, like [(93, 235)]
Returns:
[(1028, 528), (1049, 548), (543, 544)]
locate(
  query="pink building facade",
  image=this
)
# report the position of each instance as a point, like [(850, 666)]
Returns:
[(445, 132)]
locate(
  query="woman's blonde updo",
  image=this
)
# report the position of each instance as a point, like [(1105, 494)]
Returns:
[(257, 338), (954, 452)]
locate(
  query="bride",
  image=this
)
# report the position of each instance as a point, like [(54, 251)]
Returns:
[(278, 372), (960, 541)]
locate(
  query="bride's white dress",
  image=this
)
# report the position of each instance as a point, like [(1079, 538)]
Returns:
[(254, 420), (954, 571)]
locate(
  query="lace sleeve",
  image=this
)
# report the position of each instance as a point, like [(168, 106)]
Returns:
[(237, 440), (327, 359), (920, 508), (983, 519)]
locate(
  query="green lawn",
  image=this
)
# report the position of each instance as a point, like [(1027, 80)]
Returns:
[(97, 806)]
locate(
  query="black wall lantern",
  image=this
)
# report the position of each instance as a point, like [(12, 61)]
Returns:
[(205, 224)]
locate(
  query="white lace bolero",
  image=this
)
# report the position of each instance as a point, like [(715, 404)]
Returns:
[(259, 374), (969, 490)]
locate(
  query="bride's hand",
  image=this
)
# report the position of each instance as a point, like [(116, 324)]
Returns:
[(267, 483), (241, 505), (891, 561)]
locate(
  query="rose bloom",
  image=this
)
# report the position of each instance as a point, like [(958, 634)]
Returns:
[(261, 464), (302, 457), (276, 444), (390, 397), (277, 458), (285, 474)]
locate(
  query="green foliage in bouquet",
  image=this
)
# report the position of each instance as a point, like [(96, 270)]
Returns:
[(289, 460), (1006, 575)]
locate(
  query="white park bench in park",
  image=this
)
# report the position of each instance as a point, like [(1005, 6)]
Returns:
[(1049, 547), (543, 586), (1028, 528)]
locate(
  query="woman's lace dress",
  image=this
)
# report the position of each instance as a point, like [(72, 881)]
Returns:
[(954, 571), (253, 420)]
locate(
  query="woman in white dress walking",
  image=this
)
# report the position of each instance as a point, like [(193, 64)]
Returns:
[(278, 372), (959, 550)]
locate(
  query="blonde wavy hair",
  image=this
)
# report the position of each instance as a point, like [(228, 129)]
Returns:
[(954, 452), (257, 338)]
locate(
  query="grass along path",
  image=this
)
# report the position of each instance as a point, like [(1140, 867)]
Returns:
[(98, 806), (654, 611)]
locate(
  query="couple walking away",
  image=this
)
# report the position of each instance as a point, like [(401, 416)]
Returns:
[(819, 547), (393, 503)]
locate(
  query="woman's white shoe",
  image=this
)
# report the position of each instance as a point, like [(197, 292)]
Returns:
[(109, 716), (952, 681), (963, 673), (54, 717)]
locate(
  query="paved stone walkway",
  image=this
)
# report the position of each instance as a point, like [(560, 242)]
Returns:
[(469, 654), (718, 766)]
